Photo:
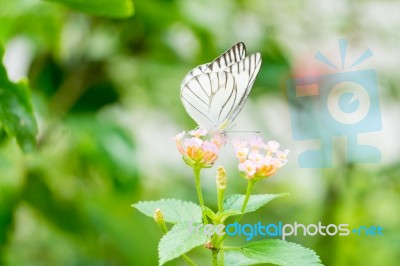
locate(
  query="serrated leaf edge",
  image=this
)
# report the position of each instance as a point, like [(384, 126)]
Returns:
[(291, 243), (164, 199)]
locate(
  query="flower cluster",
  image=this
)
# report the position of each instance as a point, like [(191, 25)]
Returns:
[(258, 160), (198, 148)]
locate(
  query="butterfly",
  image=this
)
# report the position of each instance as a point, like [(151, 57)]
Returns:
[(213, 94)]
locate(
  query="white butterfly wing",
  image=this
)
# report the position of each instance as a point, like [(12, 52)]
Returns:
[(234, 54), (194, 72), (214, 99), (208, 98), (245, 73)]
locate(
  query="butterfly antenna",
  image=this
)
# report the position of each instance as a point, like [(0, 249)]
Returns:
[(241, 131), (230, 128), (247, 131)]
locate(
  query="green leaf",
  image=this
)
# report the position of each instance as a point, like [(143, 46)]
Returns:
[(234, 202), (107, 8), (281, 252), (236, 258), (16, 114), (174, 210), (178, 241)]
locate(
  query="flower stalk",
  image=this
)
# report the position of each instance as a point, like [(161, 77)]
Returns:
[(196, 171), (214, 257), (250, 185)]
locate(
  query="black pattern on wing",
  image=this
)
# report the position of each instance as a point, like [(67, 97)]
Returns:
[(245, 73), (234, 54), (194, 72), (209, 98)]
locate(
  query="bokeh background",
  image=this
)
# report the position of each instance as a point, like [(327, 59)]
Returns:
[(105, 90)]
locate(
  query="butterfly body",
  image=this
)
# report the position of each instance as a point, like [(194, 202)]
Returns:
[(213, 94)]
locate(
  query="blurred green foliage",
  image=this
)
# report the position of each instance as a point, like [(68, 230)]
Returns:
[(94, 67), (16, 113), (116, 8)]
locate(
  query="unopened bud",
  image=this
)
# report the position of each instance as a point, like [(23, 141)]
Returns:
[(159, 219), (221, 178)]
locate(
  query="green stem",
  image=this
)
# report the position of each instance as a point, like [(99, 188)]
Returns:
[(221, 258), (196, 171), (230, 248), (214, 257), (220, 197), (218, 254), (188, 260), (250, 185), (163, 228)]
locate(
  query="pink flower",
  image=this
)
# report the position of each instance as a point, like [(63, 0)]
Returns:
[(193, 142), (256, 143), (179, 136), (199, 132), (262, 161), (272, 146), (241, 153), (196, 150), (237, 143), (219, 140), (281, 155), (248, 167), (210, 147)]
